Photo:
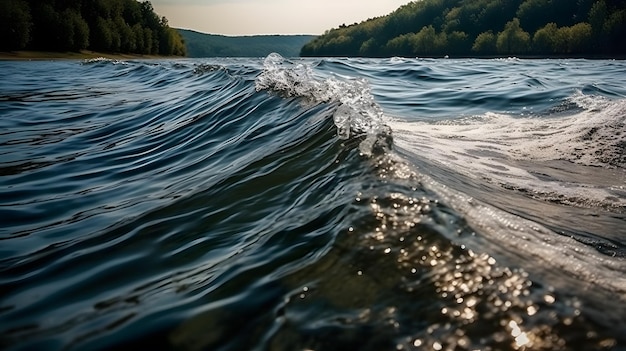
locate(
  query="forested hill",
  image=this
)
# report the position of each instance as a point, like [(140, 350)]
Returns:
[(483, 28), (211, 45), (120, 26)]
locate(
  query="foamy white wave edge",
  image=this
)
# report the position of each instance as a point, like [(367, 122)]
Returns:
[(357, 113), (495, 147)]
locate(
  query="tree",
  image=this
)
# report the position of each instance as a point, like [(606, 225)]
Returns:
[(534, 13), (513, 39), (400, 45), (425, 42), (104, 25), (580, 38), (74, 31), (128, 41), (148, 42), (116, 37), (615, 29), (544, 39), (458, 43), (15, 24), (178, 46), (101, 36), (45, 27), (485, 43), (369, 48), (132, 12), (140, 45), (149, 18), (597, 16)]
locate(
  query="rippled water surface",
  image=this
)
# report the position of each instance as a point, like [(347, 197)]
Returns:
[(316, 204)]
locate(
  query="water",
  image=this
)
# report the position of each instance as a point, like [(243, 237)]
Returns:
[(316, 204)]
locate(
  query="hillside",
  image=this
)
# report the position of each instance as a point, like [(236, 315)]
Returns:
[(211, 45), (582, 28)]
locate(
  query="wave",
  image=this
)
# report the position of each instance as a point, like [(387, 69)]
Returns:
[(248, 204)]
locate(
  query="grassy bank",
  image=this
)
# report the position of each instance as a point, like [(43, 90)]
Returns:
[(80, 55)]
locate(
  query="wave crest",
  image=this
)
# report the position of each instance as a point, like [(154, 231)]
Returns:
[(357, 113)]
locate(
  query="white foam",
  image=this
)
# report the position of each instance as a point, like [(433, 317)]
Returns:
[(357, 113), (493, 146), (593, 137), (103, 59)]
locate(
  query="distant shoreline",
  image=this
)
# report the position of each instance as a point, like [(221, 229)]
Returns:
[(26, 55)]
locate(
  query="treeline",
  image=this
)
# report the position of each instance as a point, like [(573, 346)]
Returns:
[(211, 45), (483, 28), (121, 26)]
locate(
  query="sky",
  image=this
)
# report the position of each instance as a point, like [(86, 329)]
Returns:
[(249, 17)]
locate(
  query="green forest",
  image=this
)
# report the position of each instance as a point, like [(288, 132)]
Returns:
[(118, 26), (432, 28)]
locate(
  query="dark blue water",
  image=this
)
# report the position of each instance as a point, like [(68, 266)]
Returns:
[(317, 204)]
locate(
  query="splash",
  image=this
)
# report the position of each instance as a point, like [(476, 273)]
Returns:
[(357, 113)]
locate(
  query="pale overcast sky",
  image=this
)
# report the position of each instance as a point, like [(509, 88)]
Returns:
[(246, 17)]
